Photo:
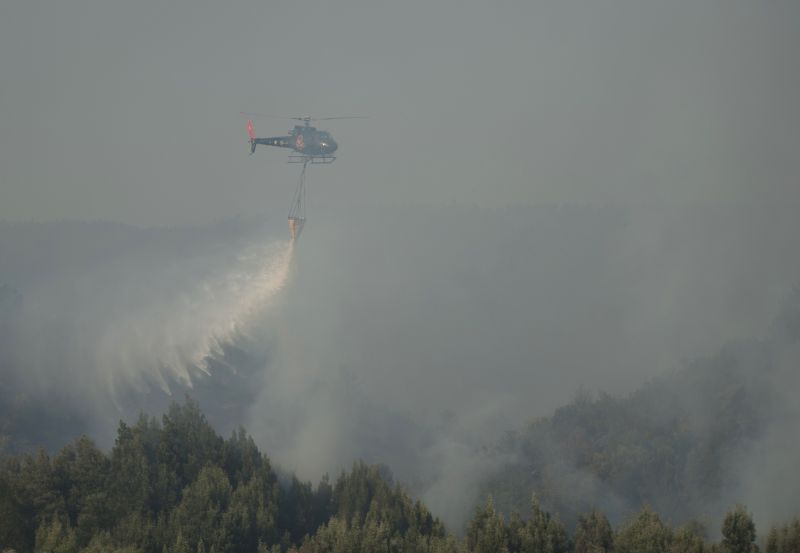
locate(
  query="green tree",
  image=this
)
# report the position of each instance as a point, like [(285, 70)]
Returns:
[(103, 543), (486, 532), (56, 536), (188, 442), (541, 533), (739, 531), (784, 538), (773, 541), (252, 515), (200, 513), (81, 471), (181, 545), (34, 482), (129, 482), (12, 520), (242, 460), (549, 535), (594, 534), (645, 533), (688, 539)]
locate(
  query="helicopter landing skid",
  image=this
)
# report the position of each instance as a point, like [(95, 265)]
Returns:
[(314, 160)]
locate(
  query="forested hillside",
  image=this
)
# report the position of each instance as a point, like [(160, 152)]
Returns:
[(689, 443), (719, 431), (175, 486)]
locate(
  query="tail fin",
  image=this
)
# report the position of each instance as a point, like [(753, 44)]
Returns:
[(252, 134)]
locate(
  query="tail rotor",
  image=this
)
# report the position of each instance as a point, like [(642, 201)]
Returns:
[(252, 134)]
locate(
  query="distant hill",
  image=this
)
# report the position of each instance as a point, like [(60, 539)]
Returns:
[(688, 444)]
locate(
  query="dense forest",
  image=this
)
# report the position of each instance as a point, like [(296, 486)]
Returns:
[(175, 485)]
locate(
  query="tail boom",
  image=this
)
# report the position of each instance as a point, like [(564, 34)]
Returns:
[(279, 141)]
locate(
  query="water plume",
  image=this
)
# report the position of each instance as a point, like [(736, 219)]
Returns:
[(106, 313), (168, 341)]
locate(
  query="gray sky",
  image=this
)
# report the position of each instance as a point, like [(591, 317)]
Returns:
[(129, 111)]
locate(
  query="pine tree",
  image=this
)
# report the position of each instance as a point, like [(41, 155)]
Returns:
[(687, 539), (739, 531), (645, 533), (486, 532), (199, 515), (594, 534), (181, 545), (56, 536)]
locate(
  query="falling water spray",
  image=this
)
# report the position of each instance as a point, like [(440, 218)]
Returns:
[(171, 340)]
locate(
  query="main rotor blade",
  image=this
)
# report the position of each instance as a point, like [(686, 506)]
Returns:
[(255, 115), (302, 118), (343, 117)]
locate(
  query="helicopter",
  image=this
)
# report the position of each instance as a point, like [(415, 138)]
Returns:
[(308, 144)]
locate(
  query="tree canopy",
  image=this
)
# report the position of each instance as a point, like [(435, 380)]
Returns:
[(173, 486)]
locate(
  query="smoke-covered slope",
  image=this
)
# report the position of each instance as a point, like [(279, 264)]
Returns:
[(415, 336), (719, 431)]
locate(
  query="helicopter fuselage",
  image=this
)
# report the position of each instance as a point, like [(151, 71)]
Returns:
[(303, 139)]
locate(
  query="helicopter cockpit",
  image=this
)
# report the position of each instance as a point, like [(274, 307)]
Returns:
[(326, 142)]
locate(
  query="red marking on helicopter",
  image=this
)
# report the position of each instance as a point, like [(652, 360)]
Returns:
[(299, 143)]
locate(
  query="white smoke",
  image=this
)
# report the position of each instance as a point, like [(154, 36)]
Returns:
[(141, 311), (168, 340)]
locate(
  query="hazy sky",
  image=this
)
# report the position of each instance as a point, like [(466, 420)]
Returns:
[(129, 111)]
